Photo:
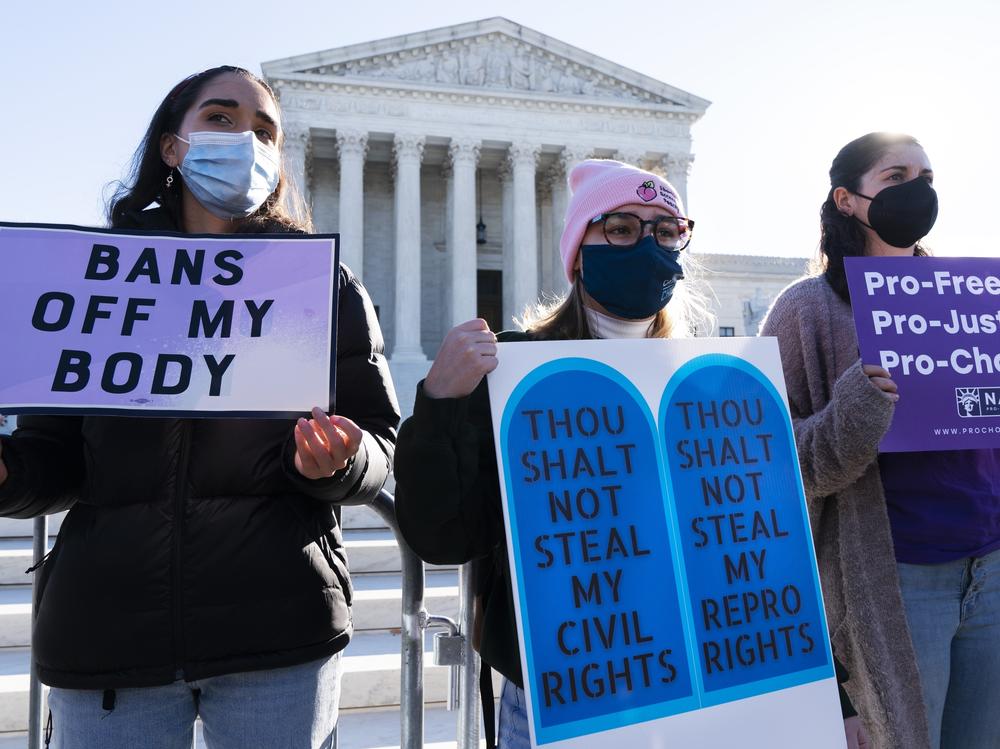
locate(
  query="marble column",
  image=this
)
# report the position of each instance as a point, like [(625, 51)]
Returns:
[(352, 147), (408, 152), (560, 197), (524, 161), (568, 159), (633, 157), (295, 155), (571, 156), (464, 155), (448, 177), (505, 175), (678, 168), (546, 250)]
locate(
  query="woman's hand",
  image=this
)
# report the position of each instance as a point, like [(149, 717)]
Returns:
[(468, 352), (857, 738), (881, 379), (325, 444)]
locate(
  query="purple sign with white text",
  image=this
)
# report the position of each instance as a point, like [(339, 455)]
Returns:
[(934, 324), (133, 323)]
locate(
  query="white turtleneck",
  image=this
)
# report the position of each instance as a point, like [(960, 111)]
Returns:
[(605, 326)]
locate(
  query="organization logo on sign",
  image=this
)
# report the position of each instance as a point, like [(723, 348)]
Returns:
[(974, 402)]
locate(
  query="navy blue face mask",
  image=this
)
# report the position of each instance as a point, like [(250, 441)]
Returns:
[(631, 282)]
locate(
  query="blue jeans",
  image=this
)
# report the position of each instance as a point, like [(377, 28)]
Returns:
[(512, 732), (953, 611), (282, 708)]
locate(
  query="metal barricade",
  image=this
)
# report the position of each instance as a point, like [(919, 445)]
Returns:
[(411, 680), (40, 533), (457, 653), (468, 719)]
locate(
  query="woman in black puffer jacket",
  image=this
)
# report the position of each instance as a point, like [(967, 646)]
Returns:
[(200, 570)]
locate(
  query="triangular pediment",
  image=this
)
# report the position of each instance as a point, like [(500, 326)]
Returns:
[(490, 55)]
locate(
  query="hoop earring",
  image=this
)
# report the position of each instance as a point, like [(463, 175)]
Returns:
[(170, 179)]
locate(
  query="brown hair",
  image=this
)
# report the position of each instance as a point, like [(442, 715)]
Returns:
[(842, 236)]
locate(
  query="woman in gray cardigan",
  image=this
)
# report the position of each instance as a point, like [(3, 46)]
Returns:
[(906, 542)]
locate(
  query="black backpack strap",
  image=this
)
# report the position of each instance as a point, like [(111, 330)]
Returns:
[(489, 707)]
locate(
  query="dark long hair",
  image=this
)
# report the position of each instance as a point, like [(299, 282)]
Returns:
[(843, 236), (146, 182)]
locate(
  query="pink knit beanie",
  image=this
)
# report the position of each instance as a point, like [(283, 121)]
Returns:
[(601, 185)]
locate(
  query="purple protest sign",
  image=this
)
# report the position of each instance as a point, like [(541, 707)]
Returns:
[(133, 323), (933, 323)]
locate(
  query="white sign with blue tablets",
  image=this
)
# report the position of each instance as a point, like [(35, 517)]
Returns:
[(665, 581)]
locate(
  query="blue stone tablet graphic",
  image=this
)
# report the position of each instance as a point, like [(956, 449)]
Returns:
[(754, 594), (604, 628)]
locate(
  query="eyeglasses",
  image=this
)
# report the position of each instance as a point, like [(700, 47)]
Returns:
[(626, 229)]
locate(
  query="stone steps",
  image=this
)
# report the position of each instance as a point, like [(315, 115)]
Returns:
[(16, 558), (377, 599), (352, 517), (378, 728), (370, 689), (15, 616), (370, 679), (368, 550), (14, 689), (375, 728), (14, 528)]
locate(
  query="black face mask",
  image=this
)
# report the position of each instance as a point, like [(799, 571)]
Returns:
[(631, 282), (903, 214)]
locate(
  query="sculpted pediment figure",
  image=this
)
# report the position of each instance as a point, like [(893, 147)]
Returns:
[(492, 54)]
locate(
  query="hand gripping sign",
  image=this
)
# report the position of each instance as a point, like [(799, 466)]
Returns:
[(934, 324), (665, 582), (130, 322)]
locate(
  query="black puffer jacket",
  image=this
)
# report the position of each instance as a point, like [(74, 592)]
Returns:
[(193, 546), (449, 509)]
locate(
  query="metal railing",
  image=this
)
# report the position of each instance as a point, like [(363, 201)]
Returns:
[(451, 647), (40, 541)]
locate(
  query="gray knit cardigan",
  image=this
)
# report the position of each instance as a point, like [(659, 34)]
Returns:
[(839, 418)]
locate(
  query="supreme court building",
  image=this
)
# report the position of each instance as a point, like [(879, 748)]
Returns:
[(441, 158)]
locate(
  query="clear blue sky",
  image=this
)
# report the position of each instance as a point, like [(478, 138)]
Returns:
[(791, 81)]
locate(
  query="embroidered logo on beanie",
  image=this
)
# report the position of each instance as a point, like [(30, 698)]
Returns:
[(647, 191), (601, 185)]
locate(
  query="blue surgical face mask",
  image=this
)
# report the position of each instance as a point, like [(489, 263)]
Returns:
[(631, 282), (230, 174)]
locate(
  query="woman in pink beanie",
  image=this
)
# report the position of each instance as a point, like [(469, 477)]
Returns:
[(622, 277), (621, 246), (624, 233)]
